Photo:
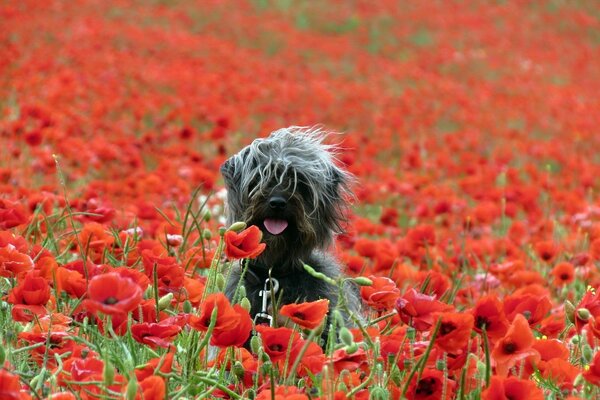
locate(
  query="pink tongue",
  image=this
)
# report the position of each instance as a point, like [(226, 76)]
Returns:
[(275, 226)]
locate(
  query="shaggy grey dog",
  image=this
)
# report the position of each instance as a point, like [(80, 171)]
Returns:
[(290, 187)]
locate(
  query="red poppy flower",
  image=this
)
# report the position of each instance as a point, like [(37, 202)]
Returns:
[(227, 317), (561, 372), (592, 375), (165, 362), (454, 332), (516, 345), (511, 388), (546, 250), (71, 282), (155, 334), (313, 360), (342, 361), (533, 307), (382, 294), (11, 214), (489, 314), (563, 273), (10, 387), (277, 341), (418, 309), (32, 290), (112, 294), (62, 396), (236, 335), (308, 315), (430, 386), (245, 244), (14, 263), (152, 388), (282, 393), (591, 303)]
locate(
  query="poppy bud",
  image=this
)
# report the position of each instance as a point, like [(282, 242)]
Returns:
[(245, 303), (222, 231), (346, 336), (242, 291), (206, 234), (587, 353), (187, 307), (266, 368), (255, 344), (583, 313), (238, 369), (338, 318), (165, 301), (237, 226), (220, 283), (440, 364), (206, 215), (353, 348), (132, 388), (363, 281), (108, 373), (378, 393), (570, 311)]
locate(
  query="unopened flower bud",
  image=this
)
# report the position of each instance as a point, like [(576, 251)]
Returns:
[(346, 336), (583, 314), (245, 303), (108, 373), (363, 281), (353, 348), (237, 226), (165, 301), (255, 344), (132, 388), (187, 307)]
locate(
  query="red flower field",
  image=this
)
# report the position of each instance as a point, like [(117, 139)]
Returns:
[(472, 128)]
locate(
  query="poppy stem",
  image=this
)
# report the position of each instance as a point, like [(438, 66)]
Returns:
[(420, 365), (486, 348)]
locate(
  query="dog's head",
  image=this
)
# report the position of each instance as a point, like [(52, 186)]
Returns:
[(290, 187)]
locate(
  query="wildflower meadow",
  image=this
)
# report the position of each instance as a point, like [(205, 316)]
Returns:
[(472, 129)]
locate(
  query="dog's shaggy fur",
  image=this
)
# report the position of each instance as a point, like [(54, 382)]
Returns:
[(290, 187)]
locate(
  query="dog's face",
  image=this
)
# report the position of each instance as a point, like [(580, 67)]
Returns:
[(288, 186)]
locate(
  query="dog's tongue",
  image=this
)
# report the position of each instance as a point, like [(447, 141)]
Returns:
[(275, 226)]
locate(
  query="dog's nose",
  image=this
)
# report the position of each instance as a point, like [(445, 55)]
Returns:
[(277, 202)]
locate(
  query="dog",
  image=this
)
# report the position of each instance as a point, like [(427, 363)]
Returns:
[(289, 186)]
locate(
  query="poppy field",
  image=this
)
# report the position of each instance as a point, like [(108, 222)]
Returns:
[(471, 127)]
